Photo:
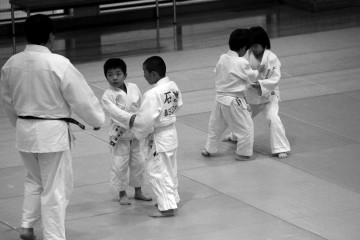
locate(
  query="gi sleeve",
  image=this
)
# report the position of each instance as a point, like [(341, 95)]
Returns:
[(138, 103), (7, 100), (180, 102), (149, 111), (118, 115), (245, 72), (81, 98), (272, 76)]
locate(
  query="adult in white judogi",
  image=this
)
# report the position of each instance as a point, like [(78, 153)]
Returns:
[(267, 98), (232, 76), (41, 84), (128, 153), (157, 116)]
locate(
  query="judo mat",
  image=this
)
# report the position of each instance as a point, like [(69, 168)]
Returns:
[(313, 194)]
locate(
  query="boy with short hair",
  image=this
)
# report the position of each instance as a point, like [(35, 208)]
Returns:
[(120, 102), (233, 76), (156, 117)]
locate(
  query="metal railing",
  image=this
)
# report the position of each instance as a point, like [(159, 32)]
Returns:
[(5, 8)]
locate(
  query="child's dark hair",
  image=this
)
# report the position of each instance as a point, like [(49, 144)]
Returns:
[(156, 64), (259, 36), (239, 39), (114, 63), (37, 29)]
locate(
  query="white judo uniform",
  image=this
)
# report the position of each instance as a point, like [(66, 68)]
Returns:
[(156, 116), (129, 153), (267, 99), (232, 77), (38, 83)]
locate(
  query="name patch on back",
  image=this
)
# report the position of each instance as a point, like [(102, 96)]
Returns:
[(171, 102)]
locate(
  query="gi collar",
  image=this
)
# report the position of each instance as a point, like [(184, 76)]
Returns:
[(36, 48), (162, 81)]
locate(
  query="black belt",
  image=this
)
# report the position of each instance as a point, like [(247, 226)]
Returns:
[(68, 120)]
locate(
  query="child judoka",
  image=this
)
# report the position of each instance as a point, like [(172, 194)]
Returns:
[(264, 96), (156, 117), (233, 75), (120, 101)]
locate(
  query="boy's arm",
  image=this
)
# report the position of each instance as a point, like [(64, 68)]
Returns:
[(149, 111), (178, 97), (246, 73), (272, 76), (118, 115), (180, 102)]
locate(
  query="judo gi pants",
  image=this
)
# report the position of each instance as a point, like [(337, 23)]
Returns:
[(162, 170), (48, 186), (278, 141), (238, 120), (128, 165)]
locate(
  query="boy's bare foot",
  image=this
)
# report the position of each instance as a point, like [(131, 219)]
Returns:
[(205, 153), (242, 157), (282, 155), (139, 195), (123, 198), (27, 234), (228, 139), (157, 213)]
